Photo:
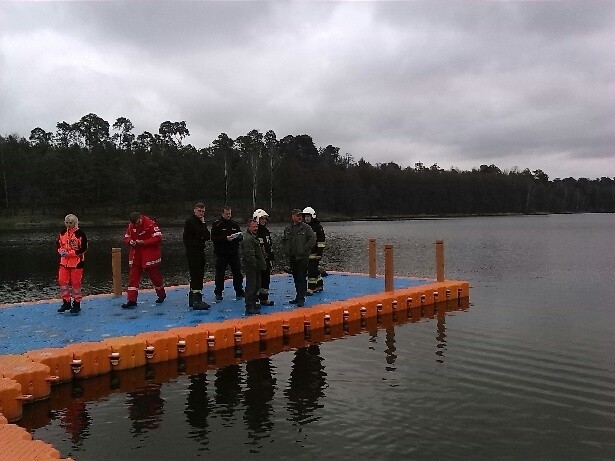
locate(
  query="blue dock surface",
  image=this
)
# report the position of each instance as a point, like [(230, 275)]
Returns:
[(31, 326)]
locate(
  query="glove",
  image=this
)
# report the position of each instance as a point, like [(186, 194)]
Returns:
[(237, 235), (62, 253)]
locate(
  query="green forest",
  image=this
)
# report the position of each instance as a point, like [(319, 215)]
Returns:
[(101, 168)]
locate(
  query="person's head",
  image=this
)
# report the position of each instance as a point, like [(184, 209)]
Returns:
[(260, 216), (199, 210), (252, 225), (226, 212), (71, 221), (308, 213), (296, 216), (135, 218)]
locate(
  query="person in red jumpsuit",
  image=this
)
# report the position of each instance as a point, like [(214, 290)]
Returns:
[(144, 238)]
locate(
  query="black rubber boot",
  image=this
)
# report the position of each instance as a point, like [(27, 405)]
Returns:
[(198, 304), (76, 307), (190, 298), (264, 300), (161, 299), (64, 307), (252, 310), (129, 305)]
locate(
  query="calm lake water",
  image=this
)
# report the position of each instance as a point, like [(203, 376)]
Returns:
[(527, 372)]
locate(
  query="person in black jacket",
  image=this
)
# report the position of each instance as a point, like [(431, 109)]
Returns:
[(195, 236), (315, 283), (298, 240), (226, 235), (264, 237)]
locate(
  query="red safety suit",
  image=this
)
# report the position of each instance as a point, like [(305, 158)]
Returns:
[(145, 240), (72, 245)]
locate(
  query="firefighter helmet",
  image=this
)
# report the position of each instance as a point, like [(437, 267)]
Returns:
[(309, 210), (260, 213)]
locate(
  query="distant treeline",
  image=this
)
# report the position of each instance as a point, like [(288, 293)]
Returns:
[(91, 164)]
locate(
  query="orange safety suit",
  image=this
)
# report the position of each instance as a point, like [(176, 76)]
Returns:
[(72, 245)]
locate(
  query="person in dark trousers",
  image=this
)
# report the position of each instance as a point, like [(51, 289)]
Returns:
[(226, 235), (264, 238), (298, 240), (253, 264), (315, 283), (195, 235), (72, 245)]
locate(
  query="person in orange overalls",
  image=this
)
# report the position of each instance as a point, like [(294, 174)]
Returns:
[(72, 245), (145, 239)]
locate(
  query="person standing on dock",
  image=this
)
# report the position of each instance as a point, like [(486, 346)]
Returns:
[(315, 283), (195, 235), (264, 238), (226, 235), (298, 240), (144, 238), (254, 263), (72, 245)]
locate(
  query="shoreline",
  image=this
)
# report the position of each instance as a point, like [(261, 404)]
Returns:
[(19, 223)]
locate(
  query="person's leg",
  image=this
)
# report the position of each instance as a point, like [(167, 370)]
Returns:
[(156, 277), (320, 286), (76, 275), (221, 263), (301, 281), (263, 293), (312, 273), (251, 287), (63, 283), (235, 263), (196, 268), (134, 280)]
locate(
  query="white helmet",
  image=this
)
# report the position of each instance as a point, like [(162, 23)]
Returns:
[(260, 213), (309, 210)]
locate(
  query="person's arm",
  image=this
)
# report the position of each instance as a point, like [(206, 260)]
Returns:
[(311, 241), (84, 244), (248, 252), (320, 240), (216, 233), (61, 251), (155, 239), (127, 238)]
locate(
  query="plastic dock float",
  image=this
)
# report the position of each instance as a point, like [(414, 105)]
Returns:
[(105, 339)]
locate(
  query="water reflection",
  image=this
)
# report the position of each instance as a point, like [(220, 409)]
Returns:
[(198, 408), (306, 385), (145, 408), (258, 397), (391, 356), (441, 338), (225, 389), (76, 420)]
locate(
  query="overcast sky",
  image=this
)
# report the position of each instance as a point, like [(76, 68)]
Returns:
[(458, 83)]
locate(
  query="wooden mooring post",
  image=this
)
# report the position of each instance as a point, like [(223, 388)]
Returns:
[(372, 257), (116, 268)]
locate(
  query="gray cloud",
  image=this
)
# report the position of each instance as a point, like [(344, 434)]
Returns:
[(526, 84)]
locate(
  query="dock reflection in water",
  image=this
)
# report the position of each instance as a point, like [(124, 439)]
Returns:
[(221, 385)]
